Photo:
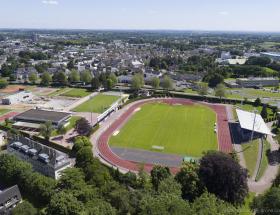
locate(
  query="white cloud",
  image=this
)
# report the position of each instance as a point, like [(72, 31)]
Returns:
[(224, 13), (51, 2)]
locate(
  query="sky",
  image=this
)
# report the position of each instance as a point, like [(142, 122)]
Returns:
[(227, 15)]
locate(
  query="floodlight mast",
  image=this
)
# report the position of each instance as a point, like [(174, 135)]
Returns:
[(254, 122)]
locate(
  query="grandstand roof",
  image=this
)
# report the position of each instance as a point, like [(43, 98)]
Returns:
[(246, 120)]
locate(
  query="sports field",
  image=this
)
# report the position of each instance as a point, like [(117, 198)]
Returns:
[(98, 104), (181, 130), (77, 93)]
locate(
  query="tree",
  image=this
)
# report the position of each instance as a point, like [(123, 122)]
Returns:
[(84, 158), (257, 102), (46, 79), (189, 180), (3, 83), (74, 76), (83, 127), (223, 177), (137, 82), (164, 204), (80, 142), (32, 77), (167, 83), (64, 203), (155, 82), (214, 79), (62, 130), (113, 78), (46, 130), (203, 89), (158, 174), (100, 207), (24, 208), (95, 84), (72, 179), (268, 203), (220, 91), (86, 76), (170, 186), (60, 78), (70, 64), (264, 111), (208, 204)]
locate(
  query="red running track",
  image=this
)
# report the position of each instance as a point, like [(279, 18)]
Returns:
[(8, 116), (106, 153)]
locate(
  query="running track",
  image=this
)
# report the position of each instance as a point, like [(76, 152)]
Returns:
[(8, 116), (224, 137)]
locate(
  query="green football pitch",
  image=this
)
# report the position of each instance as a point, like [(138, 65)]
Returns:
[(98, 104), (181, 130)]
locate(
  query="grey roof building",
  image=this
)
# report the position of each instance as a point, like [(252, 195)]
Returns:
[(45, 160), (9, 198), (41, 116)]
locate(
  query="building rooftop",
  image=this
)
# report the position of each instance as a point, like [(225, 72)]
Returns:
[(38, 115), (250, 121)]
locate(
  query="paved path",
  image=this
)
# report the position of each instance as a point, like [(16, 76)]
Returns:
[(270, 173)]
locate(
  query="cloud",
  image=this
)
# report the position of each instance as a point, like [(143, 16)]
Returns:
[(50, 2), (224, 13)]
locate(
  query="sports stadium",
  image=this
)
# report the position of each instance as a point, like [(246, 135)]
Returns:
[(163, 131)]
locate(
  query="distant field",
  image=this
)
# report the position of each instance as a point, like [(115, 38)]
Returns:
[(98, 104), (182, 130), (251, 93), (59, 91), (78, 93)]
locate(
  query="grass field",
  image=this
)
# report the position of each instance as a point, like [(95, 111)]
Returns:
[(3, 111), (59, 91), (250, 154), (182, 130), (77, 93), (265, 161), (98, 104)]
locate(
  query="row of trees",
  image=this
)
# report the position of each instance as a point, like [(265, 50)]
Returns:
[(138, 82), (107, 80), (215, 186)]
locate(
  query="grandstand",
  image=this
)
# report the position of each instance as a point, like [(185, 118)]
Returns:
[(251, 123)]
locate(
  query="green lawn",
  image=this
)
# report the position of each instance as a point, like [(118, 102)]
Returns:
[(3, 111), (190, 91), (78, 93), (71, 125), (250, 93), (265, 161), (98, 104), (182, 130), (59, 91), (250, 152)]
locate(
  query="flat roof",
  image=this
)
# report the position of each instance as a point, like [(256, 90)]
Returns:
[(38, 115), (246, 120)]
